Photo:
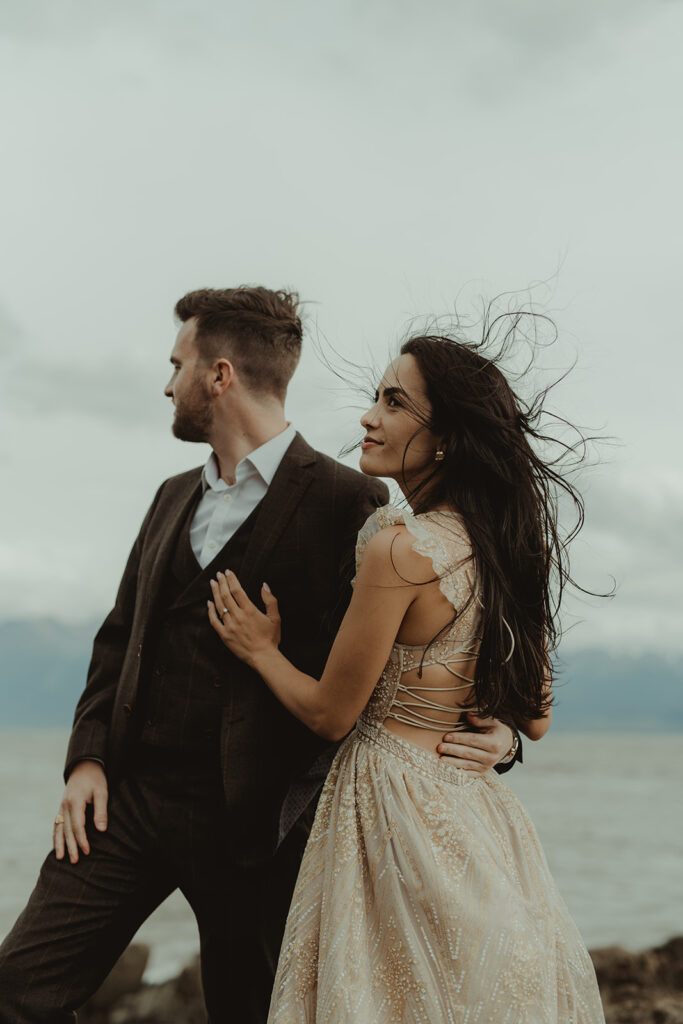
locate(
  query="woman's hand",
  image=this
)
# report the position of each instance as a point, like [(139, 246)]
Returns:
[(240, 625)]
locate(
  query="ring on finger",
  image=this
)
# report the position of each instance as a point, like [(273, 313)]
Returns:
[(59, 820)]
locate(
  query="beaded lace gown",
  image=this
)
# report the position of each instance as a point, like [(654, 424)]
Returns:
[(423, 894)]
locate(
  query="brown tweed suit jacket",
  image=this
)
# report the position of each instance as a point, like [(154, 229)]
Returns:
[(303, 543)]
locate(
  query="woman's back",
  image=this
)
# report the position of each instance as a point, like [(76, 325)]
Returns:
[(426, 683)]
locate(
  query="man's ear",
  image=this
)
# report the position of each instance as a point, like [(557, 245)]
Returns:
[(222, 377)]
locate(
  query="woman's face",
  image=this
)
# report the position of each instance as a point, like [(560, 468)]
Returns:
[(396, 442)]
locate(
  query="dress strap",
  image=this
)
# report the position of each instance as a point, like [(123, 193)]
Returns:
[(449, 554), (413, 711), (425, 722)]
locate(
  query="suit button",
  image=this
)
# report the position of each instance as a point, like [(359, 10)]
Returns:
[(217, 681), (128, 709), (159, 670), (150, 722)]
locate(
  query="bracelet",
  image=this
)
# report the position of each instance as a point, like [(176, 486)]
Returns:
[(512, 752)]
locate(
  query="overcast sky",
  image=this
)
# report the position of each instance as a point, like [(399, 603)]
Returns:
[(383, 157)]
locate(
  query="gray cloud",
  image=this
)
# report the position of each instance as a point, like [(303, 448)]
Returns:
[(11, 334), (633, 534), (482, 44), (377, 156), (109, 390)]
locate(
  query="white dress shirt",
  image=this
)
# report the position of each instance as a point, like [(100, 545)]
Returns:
[(224, 507)]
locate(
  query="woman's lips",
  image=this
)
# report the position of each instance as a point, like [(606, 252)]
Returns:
[(366, 445)]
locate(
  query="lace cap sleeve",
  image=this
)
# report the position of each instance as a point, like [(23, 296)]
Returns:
[(441, 537), (386, 515)]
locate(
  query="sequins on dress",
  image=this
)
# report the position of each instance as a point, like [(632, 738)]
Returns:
[(424, 896)]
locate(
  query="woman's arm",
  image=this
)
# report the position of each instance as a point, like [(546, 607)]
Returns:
[(381, 597), (536, 728)]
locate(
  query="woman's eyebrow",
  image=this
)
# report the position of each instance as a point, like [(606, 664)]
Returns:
[(388, 392)]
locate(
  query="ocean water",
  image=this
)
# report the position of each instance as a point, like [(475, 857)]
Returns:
[(608, 809)]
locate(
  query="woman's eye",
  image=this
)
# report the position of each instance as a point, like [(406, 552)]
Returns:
[(393, 402)]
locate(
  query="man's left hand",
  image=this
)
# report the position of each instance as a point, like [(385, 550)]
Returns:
[(476, 752)]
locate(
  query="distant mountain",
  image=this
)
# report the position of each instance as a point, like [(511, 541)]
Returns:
[(43, 666), (600, 692)]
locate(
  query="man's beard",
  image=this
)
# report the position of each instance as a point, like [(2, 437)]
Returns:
[(193, 415)]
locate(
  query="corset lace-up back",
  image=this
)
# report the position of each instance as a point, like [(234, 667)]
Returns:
[(441, 537), (424, 894)]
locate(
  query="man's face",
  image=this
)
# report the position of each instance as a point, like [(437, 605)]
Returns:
[(189, 388)]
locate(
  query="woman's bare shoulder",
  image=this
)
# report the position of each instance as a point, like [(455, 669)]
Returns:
[(390, 558)]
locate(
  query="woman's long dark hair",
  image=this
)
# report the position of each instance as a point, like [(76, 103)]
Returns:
[(503, 472)]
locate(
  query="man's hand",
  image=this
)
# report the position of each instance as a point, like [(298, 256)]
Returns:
[(87, 784), (476, 752)]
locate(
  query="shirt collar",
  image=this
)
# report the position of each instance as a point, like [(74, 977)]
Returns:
[(263, 461)]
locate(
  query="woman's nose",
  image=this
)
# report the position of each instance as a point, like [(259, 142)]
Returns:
[(368, 419)]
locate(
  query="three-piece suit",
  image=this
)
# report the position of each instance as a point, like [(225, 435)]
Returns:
[(211, 781)]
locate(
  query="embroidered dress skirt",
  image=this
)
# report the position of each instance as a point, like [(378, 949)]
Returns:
[(424, 896)]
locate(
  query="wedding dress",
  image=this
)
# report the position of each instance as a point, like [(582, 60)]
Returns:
[(423, 894)]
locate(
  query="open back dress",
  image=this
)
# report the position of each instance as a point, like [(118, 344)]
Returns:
[(424, 896)]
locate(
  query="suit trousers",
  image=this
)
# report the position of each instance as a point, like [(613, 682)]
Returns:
[(167, 829)]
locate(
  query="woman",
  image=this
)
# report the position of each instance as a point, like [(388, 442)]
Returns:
[(423, 893)]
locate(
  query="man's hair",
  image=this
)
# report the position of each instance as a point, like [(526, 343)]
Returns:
[(257, 329)]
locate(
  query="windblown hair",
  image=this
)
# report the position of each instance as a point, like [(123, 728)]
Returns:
[(257, 329), (503, 471)]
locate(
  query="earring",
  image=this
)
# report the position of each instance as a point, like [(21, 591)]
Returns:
[(440, 455)]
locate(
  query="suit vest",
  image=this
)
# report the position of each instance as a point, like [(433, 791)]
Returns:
[(186, 675)]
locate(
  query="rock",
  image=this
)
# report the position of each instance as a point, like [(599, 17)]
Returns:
[(189, 982), (670, 970), (636, 988), (641, 988), (179, 1001), (668, 1011), (616, 967), (124, 977)]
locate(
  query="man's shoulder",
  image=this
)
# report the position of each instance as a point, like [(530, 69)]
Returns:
[(347, 481), (327, 464), (180, 483)]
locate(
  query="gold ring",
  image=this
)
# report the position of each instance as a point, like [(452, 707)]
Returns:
[(59, 820)]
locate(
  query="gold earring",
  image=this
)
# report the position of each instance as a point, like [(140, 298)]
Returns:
[(440, 455)]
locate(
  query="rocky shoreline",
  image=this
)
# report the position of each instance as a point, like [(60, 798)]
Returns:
[(637, 988)]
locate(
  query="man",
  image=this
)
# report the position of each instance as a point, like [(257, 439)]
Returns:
[(182, 770)]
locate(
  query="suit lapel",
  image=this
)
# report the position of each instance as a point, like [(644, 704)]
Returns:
[(287, 488), (198, 587), (292, 478), (176, 517)]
